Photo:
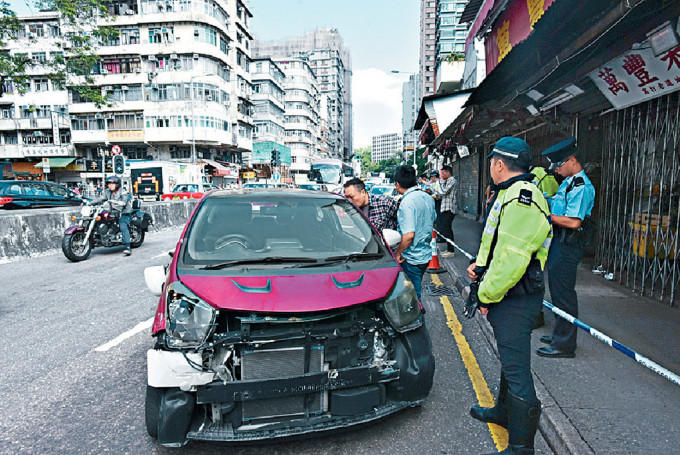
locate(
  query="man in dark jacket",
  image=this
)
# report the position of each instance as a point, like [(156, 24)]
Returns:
[(120, 202)]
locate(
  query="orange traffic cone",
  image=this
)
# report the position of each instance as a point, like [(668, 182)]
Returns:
[(433, 266)]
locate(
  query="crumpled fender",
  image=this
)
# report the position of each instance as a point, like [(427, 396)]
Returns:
[(75, 228)]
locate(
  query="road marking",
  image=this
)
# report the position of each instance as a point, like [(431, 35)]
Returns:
[(161, 255), (125, 335), (484, 397)]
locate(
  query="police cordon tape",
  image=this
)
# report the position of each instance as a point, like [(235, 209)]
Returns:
[(674, 378)]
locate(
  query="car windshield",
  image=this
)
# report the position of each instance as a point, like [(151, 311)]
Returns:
[(278, 231), (326, 173), (381, 190)]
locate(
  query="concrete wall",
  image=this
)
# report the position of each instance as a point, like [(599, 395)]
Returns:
[(27, 233)]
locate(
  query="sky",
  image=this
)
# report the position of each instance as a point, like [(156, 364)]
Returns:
[(382, 35)]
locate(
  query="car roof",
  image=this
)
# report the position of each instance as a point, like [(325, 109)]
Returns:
[(293, 193)]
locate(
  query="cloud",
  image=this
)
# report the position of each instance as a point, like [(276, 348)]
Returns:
[(376, 103)]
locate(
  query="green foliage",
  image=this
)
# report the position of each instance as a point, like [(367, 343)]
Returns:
[(84, 23), (455, 56)]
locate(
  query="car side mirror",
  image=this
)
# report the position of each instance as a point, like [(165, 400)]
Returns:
[(392, 237), (155, 278)]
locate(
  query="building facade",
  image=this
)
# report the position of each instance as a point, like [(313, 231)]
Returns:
[(409, 112), (385, 146), (177, 75), (428, 48), (301, 118), (331, 64), (451, 34)]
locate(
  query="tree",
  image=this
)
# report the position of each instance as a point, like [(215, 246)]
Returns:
[(83, 25)]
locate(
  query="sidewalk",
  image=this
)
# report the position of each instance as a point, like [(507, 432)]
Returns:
[(601, 401)]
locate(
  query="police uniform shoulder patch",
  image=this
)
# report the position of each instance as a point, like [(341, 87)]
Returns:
[(524, 197), (578, 181)]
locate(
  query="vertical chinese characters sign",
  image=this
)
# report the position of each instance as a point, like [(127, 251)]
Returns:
[(512, 27), (638, 76)]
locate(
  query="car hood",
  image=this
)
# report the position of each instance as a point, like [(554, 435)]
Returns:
[(293, 293)]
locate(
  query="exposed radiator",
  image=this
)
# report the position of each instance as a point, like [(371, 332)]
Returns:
[(276, 363)]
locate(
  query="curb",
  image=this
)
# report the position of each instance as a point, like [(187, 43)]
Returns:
[(555, 427)]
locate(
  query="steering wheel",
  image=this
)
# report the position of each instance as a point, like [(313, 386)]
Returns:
[(233, 239)]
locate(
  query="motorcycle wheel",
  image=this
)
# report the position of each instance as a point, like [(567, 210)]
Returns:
[(136, 236), (74, 250)]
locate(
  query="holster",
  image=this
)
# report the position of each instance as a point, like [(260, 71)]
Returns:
[(531, 283)]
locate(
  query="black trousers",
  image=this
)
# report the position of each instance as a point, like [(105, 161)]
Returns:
[(446, 225), (563, 260), (512, 319)]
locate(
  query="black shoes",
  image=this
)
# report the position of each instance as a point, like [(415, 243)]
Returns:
[(499, 413), (547, 339), (549, 351)]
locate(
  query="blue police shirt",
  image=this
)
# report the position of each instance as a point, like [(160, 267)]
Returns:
[(416, 214), (578, 201)]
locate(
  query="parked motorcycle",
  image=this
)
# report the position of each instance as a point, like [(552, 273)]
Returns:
[(98, 226)]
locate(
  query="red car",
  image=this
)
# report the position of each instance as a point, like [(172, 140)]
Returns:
[(282, 313), (188, 191)]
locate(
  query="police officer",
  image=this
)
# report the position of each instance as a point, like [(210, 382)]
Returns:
[(569, 208), (509, 273), (547, 184)]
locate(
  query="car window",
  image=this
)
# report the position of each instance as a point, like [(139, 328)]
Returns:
[(36, 189), (192, 188), (226, 229), (58, 190), (14, 188)]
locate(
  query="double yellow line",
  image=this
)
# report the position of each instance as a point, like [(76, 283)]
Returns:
[(499, 434)]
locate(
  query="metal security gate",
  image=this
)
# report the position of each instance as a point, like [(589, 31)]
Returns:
[(640, 197)]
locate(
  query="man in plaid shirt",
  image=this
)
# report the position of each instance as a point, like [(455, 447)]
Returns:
[(447, 191), (380, 210)]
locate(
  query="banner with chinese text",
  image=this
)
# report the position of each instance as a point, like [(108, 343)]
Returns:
[(512, 27), (638, 76)]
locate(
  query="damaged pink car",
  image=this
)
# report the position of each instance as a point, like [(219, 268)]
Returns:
[(282, 313)]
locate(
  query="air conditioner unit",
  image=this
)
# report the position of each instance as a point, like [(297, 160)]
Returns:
[(174, 56), (137, 70), (125, 88), (98, 116), (108, 88), (209, 98), (73, 117), (196, 56), (104, 71), (196, 33), (152, 58), (129, 12)]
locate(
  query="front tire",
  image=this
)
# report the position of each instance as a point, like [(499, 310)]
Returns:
[(136, 236), (76, 247), (152, 407)]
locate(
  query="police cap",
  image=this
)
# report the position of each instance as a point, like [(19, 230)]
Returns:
[(512, 148), (558, 153)]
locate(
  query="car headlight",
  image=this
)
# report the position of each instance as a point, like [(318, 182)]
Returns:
[(86, 210), (401, 307), (190, 320)]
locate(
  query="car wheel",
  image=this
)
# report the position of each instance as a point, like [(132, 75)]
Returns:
[(152, 408), (414, 357)]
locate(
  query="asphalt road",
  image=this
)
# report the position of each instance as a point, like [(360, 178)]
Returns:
[(61, 395)]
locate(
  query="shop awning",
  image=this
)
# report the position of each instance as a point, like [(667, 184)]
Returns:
[(220, 169), (58, 162)]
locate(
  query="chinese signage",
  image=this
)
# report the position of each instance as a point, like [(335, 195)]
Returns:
[(511, 28), (55, 128), (638, 76), (96, 165), (125, 135)]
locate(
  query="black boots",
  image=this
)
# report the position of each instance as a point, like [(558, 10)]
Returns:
[(523, 420), (499, 413)]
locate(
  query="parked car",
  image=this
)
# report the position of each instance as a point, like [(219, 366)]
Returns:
[(385, 190), (188, 191), (313, 187), (282, 313), (24, 194)]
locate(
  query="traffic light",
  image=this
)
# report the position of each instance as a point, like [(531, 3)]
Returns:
[(273, 160), (277, 158), (119, 165)]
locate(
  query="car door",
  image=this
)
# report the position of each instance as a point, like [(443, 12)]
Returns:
[(62, 196), (37, 194)]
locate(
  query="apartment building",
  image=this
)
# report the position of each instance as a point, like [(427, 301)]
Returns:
[(178, 78), (428, 48), (409, 112), (450, 34), (385, 146), (331, 63), (35, 125), (302, 113)]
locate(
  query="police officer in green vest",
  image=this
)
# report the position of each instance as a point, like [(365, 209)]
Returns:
[(508, 287)]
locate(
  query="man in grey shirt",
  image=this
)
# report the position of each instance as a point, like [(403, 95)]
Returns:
[(120, 202)]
